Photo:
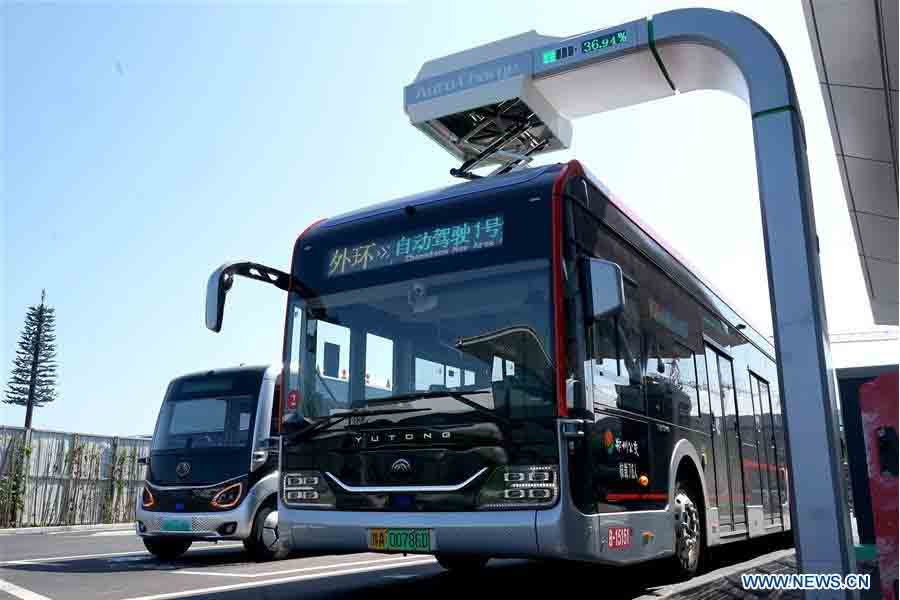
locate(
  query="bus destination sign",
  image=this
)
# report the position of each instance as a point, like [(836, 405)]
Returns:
[(442, 240)]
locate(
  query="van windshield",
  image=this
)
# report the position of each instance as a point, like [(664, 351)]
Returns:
[(211, 411)]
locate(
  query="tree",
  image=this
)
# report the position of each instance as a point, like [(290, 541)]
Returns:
[(33, 379)]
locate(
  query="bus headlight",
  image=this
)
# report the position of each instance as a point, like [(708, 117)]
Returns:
[(307, 489), (520, 487)]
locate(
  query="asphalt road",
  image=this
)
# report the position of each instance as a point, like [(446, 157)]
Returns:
[(113, 565)]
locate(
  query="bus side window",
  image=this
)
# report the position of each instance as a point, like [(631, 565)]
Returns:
[(631, 397), (430, 375), (615, 352)]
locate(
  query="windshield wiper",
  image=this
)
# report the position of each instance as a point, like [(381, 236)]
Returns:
[(461, 397), (331, 420)]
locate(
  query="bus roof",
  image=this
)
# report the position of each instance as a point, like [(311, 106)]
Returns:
[(271, 370), (523, 176), (485, 184)]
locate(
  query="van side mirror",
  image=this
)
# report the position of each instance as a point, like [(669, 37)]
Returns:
[(266, 448), (603, 288)]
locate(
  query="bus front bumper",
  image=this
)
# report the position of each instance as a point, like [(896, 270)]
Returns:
[(548, 533), (494, 533)]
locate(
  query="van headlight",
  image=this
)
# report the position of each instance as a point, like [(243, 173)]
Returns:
[(307, 489), (228, 497), (147, 498), (533, 486)]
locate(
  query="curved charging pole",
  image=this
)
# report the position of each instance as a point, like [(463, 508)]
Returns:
[(648, 59), (819, 509)]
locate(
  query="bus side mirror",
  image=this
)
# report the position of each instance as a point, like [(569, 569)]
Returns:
[(219, 283), (603, 288), (222, 279)]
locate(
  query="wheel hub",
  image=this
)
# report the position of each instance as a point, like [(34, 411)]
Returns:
[(270, 530), (687, 531)]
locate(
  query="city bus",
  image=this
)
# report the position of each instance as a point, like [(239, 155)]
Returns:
[(554, 382), (212, 472)]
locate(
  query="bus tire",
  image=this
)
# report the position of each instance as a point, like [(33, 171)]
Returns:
[(690, 532), (462, 563), (166, 548), (264, 543)]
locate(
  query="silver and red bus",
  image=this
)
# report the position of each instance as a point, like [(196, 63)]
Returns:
[(515, 366)]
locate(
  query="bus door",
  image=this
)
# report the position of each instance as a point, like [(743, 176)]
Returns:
[(746, 417), (766, 461), (776, 482), (726, 430), (711, 423)]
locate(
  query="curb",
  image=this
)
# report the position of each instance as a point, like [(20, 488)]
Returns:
[(62, 528), (713, 576)]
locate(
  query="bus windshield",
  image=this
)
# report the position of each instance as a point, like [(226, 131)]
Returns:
[(480, 335), (215, 411)]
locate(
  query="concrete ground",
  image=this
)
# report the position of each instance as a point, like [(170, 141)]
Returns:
[(113, 565)]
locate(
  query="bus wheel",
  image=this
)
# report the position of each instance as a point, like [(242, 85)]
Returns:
[(166, 548), (264, 542), (689, 532), (461, 563)]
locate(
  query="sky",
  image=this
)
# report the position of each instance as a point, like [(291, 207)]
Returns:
[(146, 144)]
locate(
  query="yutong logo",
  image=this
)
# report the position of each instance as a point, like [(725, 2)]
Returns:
[(183, 469), (466, 79), (401, 466), (375, 439)]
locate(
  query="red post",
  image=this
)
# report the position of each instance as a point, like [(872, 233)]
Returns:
[(878, 404)]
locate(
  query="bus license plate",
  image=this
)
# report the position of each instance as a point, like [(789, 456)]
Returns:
[(176, 525), (618, 537), (403, 540)]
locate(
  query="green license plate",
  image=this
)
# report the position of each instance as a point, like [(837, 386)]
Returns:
[(401, 540), (176, 525)]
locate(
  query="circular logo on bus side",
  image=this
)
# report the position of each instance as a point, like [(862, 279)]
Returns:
[(609, 441), (183, 469)]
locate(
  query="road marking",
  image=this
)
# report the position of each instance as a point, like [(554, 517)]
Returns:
[(105, 532), (28, 561), (393, 559), (89, 532), (19, 592), (55, 530), (268, 582)]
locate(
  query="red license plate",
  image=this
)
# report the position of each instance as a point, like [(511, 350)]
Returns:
[(618, 537)]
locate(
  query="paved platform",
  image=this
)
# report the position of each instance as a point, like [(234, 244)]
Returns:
[(725, 583), (113, 565)]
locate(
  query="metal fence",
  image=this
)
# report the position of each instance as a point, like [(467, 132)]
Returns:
[(60, 478)]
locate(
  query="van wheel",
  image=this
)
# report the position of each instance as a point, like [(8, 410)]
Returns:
[(690, 532), (264, 543), (166, 548), (462, 563)]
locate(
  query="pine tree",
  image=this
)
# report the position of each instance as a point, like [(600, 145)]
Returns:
[(33, 379)]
